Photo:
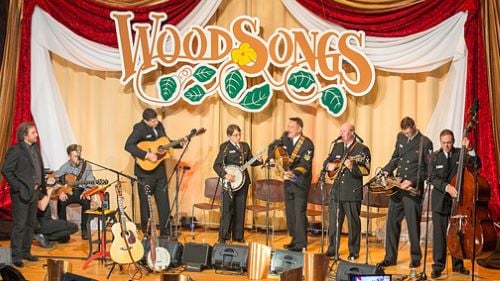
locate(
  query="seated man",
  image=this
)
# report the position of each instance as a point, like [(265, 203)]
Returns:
[(48, 228), (83, 172)]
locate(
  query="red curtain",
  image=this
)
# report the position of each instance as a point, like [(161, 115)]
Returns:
[(89, 19), (417, 18)]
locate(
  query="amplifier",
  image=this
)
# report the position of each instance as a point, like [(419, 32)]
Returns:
[(230, 257), (285, 260), (346, 268), (196, 256)]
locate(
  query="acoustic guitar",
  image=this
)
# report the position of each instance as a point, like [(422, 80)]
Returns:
[(163, 148), (68, 182), (126, 248)]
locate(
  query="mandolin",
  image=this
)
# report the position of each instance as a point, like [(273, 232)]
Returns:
[(163, 148), (126, 248), (356, 160)]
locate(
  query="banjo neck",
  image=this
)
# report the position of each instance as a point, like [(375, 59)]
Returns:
[(253, 159)]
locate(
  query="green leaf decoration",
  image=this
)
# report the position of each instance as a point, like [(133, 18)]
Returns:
[(334, 100), (204, 73), (234, 83), (256, 98), (301, 80), (168, 86), (195, 94)]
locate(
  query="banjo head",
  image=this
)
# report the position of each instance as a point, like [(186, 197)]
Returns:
[(162, 259), (239, 177)]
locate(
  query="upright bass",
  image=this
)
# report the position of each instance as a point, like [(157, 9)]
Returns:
[(461, 232)]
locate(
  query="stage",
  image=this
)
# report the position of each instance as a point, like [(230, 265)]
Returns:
[(76, 250)]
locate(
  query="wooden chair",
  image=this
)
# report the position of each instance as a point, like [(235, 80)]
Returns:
[(378, 201), (276, 195), (213, 189)]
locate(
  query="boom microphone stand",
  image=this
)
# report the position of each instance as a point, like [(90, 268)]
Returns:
[(178, 180)]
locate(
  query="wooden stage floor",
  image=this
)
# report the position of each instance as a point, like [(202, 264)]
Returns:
[(77, 250)]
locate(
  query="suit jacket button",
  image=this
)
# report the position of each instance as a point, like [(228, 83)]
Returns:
[(401, 158), (406, 176), (406, 169), (407, 161), (342, 182)]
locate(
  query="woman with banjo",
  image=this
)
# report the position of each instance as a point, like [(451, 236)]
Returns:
[(231, 165)]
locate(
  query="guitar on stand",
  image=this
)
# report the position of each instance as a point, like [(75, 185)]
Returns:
[(158, 258), (126, 248)]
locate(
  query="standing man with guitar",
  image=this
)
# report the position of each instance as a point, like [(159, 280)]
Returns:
[(410, 157), (445, 167), (350, 161), (79, 168), (297, 182), (150, 129), (23, 170), (237, 153)]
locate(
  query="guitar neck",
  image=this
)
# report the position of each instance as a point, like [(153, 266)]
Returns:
[(154, 236), (252, 160), (122, 212)]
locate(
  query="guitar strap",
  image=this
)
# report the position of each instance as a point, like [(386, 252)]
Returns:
[(82, 170), (297, 148)]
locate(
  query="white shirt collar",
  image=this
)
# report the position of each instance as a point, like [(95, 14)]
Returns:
[(295, 139)]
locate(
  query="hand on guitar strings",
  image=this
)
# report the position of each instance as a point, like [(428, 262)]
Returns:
[(406, 185), (151, 157), (230, 178)]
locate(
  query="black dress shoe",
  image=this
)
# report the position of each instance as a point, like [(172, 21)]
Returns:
[(240, 240), (352, 257), (18, 263), (31, 258), (435, 274), (385, 263), (330, 252), (43, 240), (462, 270), (414, 264), (296, 249), (289, 245)]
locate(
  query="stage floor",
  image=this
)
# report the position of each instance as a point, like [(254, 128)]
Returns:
[(76, 250)]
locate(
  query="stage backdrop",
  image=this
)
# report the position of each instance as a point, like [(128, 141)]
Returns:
[(101, 112)]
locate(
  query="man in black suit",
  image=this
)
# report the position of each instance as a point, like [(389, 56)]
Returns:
[(23, 170), (347, 192), (150, 129), (411, 159), (233, 152), (445, 167), (297, 182)]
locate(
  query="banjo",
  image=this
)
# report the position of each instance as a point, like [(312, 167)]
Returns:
[(237, 171), (158, 258)]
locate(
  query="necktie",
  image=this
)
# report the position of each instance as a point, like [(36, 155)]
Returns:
[(238, 146), (156, 132)]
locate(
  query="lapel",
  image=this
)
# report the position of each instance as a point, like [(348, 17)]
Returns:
[(24, 147), (412, 144)]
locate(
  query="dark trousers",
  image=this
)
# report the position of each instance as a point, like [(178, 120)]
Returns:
[(439, 231), (233, 213), (295, 209), (398, 209), (351, 209), (74, 198), (158, 187), (56, 230), (23, 226)]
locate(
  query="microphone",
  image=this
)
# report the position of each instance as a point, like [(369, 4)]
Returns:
[(337, 139), (359, 138)]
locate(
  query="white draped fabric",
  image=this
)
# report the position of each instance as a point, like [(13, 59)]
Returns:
[(420, 52), (47, 107)]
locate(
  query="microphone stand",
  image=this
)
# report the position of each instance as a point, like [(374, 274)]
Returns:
[(118, 174), (322, 183), (178, 180), (427, 188)]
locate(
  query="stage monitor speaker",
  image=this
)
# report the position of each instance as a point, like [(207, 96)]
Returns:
[(73, 277), (230, 257), (175, 250), (5, 255), (346, 268), (285, 260), (196, 256)]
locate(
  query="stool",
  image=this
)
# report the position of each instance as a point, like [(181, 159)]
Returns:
[(102, 217)]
